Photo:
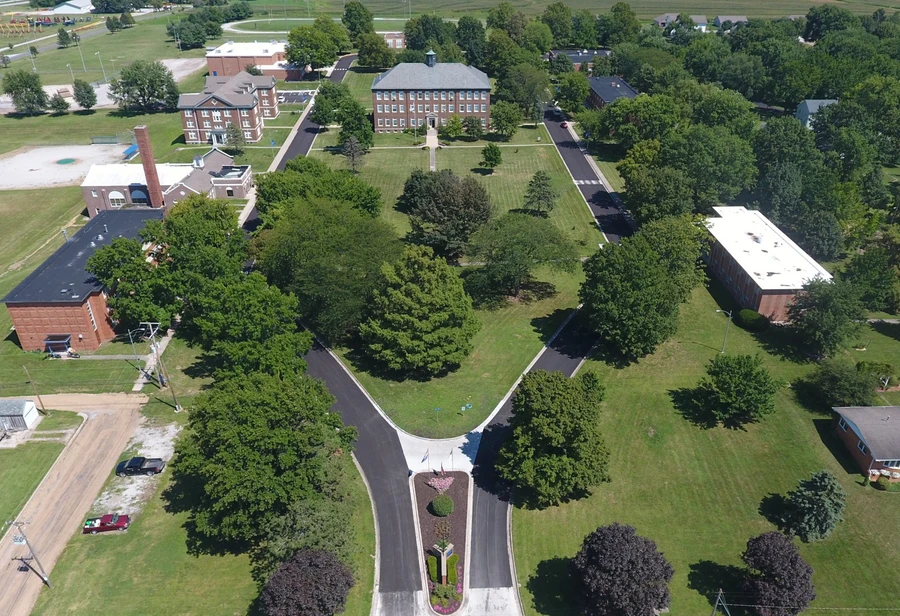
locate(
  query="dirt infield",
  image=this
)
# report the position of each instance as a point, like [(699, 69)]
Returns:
[(37, 167)]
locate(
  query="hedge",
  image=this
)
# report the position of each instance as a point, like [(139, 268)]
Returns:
[(887, 485), (433, 568), (452, 577), (752, 321), (442, 505)]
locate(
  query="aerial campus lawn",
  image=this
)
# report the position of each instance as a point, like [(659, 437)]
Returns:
[(646, 9), (510, 335), (697, 492)]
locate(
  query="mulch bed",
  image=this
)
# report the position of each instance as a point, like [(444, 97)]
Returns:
[(459, 492)]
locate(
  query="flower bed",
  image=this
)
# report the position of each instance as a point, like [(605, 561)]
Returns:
[(445, 599)]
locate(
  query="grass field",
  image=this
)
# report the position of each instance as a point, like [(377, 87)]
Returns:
[(267, 19), (359, 80), (21, 470), (59, 420), (646, 9), (697, 492), (509, 339)]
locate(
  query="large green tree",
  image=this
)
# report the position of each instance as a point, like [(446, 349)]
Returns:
[(421, 320), (310, 46), (255, 446), (144, 86), (875, 275), (505, 119), (330, 256), (558, 16), (574, 89), (738, 389), (826, 314), (84, 94), (514, 244), (620, 25), (537, 37), (354, 120), (336, 31), (839, 382), (471, 39), (630, 120), (556, 451), (26, 92), (652, 193), (374, 51), (628, 297), (358, 20), (445, 210), (679, 242), (540, 198)]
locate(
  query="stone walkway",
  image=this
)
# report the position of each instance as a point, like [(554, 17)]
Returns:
[(431, 142)]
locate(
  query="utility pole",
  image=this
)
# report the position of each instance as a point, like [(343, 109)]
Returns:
[(34, 389), (727, 325), (164, 379), (720, 601), (21, 539)]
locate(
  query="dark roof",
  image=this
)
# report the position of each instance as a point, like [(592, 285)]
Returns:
[(610, 89), (441, 76), (877, 426), (578, 56), (62, 279)]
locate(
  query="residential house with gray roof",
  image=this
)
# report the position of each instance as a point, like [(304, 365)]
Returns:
[(413, 94), (872, 436), (810, 107), (244, 100)]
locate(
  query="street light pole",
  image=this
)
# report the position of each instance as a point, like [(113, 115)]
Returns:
[(727, 325), (97, 53), (71, 72), (78, 45)]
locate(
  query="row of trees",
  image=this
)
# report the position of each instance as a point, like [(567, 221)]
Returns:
[(265, 465), (29, 98), (318, 45), (205, 23)]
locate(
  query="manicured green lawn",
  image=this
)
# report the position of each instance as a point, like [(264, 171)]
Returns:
[(508, 182), (21, 470), (59, 420), (607, 157), (697, 492), (509, 339), (359, 80), (329, 139)]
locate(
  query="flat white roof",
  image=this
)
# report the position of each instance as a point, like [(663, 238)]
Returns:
[(770, 257), (124, 174), (245, 49)]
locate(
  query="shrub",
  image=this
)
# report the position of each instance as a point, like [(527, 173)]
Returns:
[(452, 573), (444, 595), (433, 569), (885, 484), (876, 369), (752, 321), (442, 505)]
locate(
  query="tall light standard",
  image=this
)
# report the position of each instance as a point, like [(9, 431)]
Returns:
[(77, 40), (727, 325), (71, 72), (113, 66), (97, 53)]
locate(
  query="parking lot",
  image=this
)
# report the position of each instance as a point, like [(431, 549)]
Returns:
[(294, 97)]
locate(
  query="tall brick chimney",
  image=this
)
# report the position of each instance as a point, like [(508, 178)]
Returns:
[(154, 190)]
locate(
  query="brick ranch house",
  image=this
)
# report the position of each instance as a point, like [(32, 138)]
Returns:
[(761, 267), (244, 100), (872, 436), (60, 304), (412, 94), (115, 186)]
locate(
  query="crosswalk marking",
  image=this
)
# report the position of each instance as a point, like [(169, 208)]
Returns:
[(583, 182)]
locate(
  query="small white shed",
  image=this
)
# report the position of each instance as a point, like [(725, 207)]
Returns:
[(17, 415)]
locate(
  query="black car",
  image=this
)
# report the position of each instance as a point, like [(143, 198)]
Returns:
[(140, 466)]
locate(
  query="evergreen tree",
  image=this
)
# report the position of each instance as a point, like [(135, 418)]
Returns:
[(815, 507), (354, 153), (540, 198), (58, 105), (63, 38), (421, 322), (126, 20), (234, 139)]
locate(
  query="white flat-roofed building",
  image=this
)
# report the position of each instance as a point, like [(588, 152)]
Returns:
[(270, 57), (761, 267)]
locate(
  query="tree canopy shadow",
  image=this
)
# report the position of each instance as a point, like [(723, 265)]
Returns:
[(363, 361), (891, 330), (774, 508), (690, 402), (553, 588), (782, 341), (482, 171), (484, 471), (707, 578)]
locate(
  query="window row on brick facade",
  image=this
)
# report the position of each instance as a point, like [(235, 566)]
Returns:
[(451, 108), (401, 123), (444, 95)]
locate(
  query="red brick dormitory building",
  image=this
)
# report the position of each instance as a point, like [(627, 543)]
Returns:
[(761, 267), (413, 94), (63, 303)]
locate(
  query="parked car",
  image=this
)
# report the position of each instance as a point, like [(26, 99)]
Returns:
[(564, 125), (140, 466), (106, 523)]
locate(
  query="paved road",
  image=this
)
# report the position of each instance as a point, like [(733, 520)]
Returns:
[(490, 554), (58, 506), (379, 454), (305, 135), (601, 204)]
